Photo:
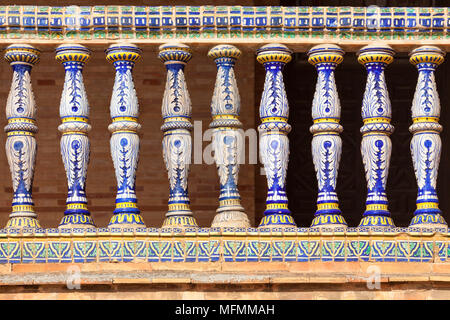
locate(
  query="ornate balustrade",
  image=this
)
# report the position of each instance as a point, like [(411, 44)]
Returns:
[(230, 237)]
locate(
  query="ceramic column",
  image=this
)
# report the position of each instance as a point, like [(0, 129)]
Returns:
[(326, 143), (177, 143), (74, 113), (225, 109), (426, 141), (124, 135), (20, 130), (376, 145), (273, 142)]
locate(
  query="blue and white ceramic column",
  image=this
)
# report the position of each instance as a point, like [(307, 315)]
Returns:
[(274, 143), (225, 108), (177, 142), (20, 130), (124, 128), (426, 141), (75, 147), (376, 145), (326, 143)]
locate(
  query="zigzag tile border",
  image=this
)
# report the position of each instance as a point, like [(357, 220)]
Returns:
[(227, 244), (230, 23)]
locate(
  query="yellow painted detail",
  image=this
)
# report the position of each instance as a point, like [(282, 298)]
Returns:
[(126, 205), (77, 206), (321, 120), (272, 57), (21, 120), (124, 119), (126, 218), (428, 205), (225, 116), (74, 132), (276, 206), (377, 120), (277, 219), (328, 218), (273, 119), (21, 207), (426, 57), (124, 55), (71, 56), (425, 119), (20, 133), (17, 222), (326, 57), (124, 131), (179, 206), (75, 119), (324, 206), (186, 221), (375, 57), (376, 221), (370, 207)]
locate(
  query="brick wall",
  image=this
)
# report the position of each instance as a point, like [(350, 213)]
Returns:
[(50, 189)]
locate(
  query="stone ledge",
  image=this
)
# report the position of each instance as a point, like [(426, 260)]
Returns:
[(220, 273)]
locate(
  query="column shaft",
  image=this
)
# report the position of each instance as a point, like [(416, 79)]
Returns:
[(75, 148), (20, 130), (376, 145), (326, 143), (274, 143), (227, 138), (177, 144), (124, 138), (426, 141)]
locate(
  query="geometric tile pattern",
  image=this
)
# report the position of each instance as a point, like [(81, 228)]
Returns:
[(223, 22), (223, 244)]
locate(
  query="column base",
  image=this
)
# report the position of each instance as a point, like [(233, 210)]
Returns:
[(377, 221), (126, 220), (22, 222), (277, 221), (76, 221), (236, 219), (180, 222), (425, 220), (329, 221)]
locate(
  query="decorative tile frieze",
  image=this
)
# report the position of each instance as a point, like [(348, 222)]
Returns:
[(222, 22), (223, 244)]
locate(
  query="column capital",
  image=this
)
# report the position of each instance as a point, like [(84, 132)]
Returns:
[(72, 53), (273, 52), (377, 52), (22, 54), (224, 51), (325, 53), (170, 53), (427, 54), (123, 52)]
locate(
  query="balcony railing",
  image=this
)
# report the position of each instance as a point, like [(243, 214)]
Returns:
[(230, 237)]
